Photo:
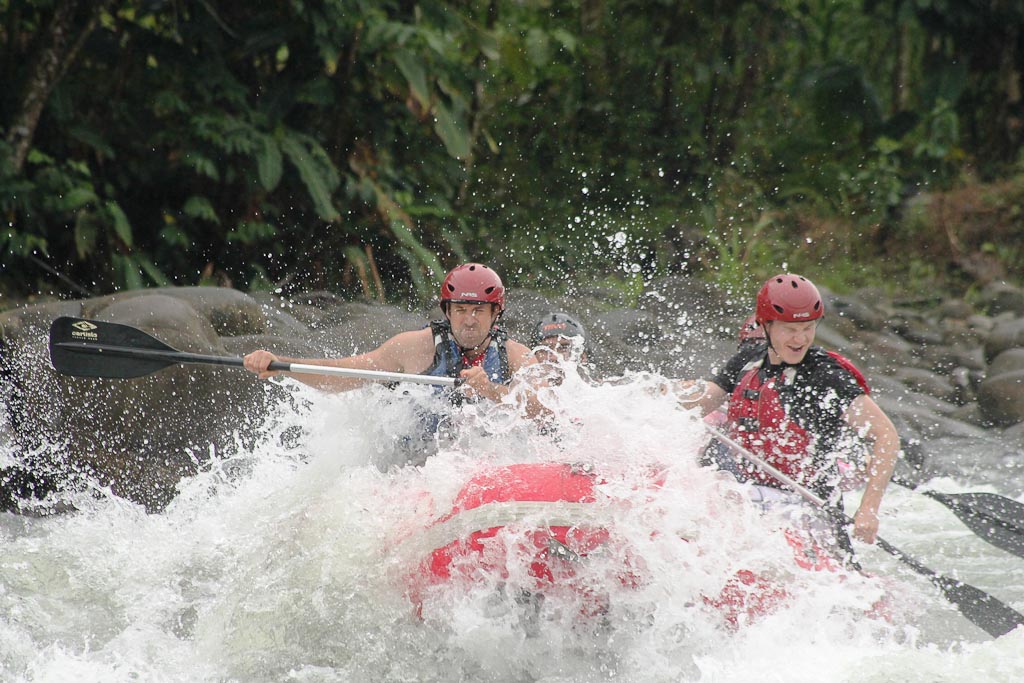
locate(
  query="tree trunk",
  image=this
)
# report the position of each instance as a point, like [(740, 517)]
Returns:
[(57, 52), (1009, 111), (901, 83), (477, 110)]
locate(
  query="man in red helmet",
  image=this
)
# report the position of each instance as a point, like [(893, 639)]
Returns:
[(792, 403), (752, 343), (467, 343)]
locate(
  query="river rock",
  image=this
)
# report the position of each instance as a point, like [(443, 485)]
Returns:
[(930, 424), (955, 309), (926, 382), (960, 334), (689, 304), (1008, 333), (1001, 398), (352, 328), (137, 436), (830, 338), (1001, 297), (854, 309), (1007, 361), (884, 352)]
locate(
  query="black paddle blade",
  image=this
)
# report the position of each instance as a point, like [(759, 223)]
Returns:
[(91, 348), (990, 614), (986, 612), (994, 518)]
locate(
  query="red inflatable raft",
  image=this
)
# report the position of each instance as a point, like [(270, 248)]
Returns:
[(533, 525)]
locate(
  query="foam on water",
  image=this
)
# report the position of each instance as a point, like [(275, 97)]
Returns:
[(290, 558)]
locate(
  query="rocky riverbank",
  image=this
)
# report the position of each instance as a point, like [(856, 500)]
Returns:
[(950, 374)]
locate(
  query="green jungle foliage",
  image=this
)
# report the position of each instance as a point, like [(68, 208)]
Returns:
[(368, 145)]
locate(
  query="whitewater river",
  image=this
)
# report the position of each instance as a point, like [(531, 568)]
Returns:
[(292, 556)]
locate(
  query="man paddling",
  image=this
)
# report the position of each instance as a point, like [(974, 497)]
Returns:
[(792, 403), (751, 341), (467, 344)]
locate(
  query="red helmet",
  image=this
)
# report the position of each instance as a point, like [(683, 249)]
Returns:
[(472, 283), (751, 331), (789, 298)]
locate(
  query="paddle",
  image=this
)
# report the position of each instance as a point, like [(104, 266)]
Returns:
[(986, 612), (91, 348), (993, 518)]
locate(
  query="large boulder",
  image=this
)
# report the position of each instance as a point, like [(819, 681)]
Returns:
[(927, 423), (883, 352), (1008, 333), (856, 310), (1001, 297), (137, 436), (1001, 398), (352, 328), (687, 304), (927, 382), (1007, 361)]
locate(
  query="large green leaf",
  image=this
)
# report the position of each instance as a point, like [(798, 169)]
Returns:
[(424, 256), (149, 268), (203, 165), (200, 207), (423, 287), (538, 47), (452, 131), (122, 228), (411, 66), (93, 138), (251, 232), (319, 179), (77, 197), (269, 163), (85, 234), (127, 273)]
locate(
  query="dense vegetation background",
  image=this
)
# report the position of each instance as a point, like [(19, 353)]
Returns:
[(365, 146)]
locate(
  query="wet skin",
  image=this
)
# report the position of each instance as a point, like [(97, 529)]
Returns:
[(471, 324)]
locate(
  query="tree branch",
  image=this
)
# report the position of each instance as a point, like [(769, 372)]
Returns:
[(49, 65)]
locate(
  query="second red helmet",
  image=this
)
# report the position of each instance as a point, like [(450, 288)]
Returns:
[(789, 298), (472, 283), (751, 331)]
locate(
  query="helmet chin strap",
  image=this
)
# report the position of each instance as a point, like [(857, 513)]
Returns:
[(467, 349), (771, 345)]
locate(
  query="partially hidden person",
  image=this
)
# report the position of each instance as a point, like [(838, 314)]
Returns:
[(558, 340)]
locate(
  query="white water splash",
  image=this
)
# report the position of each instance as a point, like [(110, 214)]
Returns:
[(291, 561)]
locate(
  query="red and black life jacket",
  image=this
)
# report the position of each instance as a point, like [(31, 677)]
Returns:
[(848, 365), (759, 422), (776, 412)]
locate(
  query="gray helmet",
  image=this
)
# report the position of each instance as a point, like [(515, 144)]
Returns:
[(557, 324)]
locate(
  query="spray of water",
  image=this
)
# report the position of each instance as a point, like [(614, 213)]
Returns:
[(298, 554)]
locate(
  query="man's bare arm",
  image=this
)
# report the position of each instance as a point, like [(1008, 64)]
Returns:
[(408, 352), (871, 422)]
